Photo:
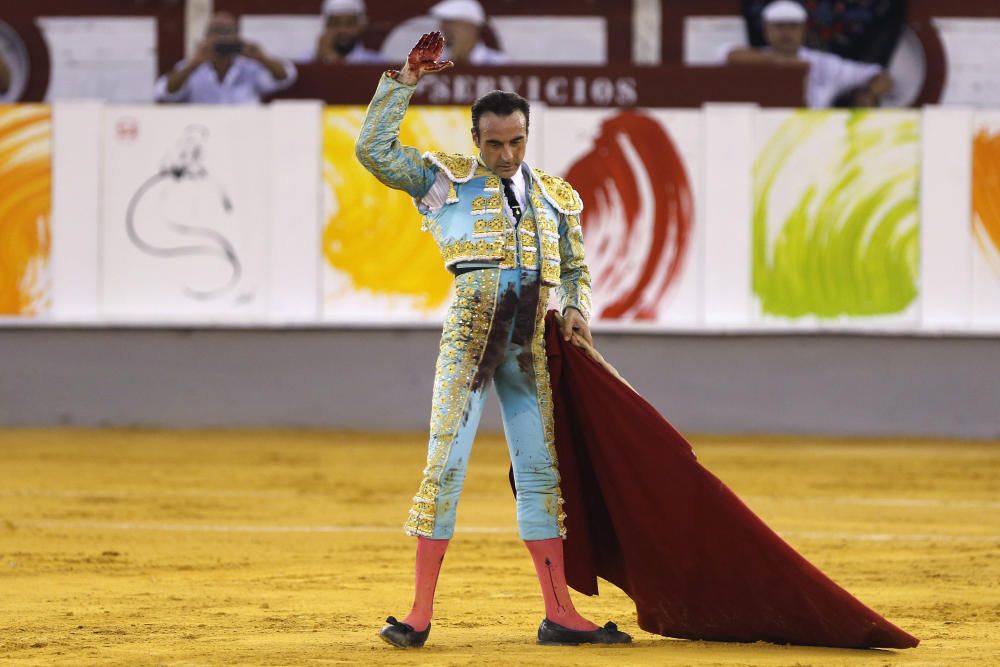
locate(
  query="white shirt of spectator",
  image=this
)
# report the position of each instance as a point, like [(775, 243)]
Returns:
[(246, 82), (829, 74), (483, 55)]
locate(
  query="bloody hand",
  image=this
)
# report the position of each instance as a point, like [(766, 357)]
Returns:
[(423, 58)]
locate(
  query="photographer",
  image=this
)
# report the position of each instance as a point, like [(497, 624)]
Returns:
[(829, 75), (225, 70), (344, 25)]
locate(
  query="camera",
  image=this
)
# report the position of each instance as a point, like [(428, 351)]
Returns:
[(228, 48)]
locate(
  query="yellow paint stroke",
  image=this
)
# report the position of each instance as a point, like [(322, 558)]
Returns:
[(372, 233), (25, 208), (986, 194)]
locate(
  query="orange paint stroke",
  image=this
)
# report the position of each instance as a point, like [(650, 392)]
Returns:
[(25, 208), (986, 191)]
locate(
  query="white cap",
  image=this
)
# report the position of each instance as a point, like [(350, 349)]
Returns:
[(469, 11), (785, 11), (338, 7)]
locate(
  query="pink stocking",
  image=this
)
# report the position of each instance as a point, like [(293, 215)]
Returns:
[(548, 557), (430, 555)]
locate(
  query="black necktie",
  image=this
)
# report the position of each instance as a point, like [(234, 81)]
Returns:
[(511, 199)]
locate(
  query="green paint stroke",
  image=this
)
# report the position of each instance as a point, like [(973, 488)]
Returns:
[(850, 246)]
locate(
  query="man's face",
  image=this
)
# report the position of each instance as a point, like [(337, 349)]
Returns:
[(345, 29), (785, 38), (460, 37), (223, 27), (501, 141)]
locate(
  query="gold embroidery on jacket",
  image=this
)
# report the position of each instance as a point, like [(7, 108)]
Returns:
[(550, 272), (550, 248), (480, 250), (494, 225), (559, 193), (492, 204), (547, 227), (575, 289), (458, 168), (528, 239)]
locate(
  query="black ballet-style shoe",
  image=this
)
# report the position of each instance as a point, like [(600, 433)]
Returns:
[(553, 634), (402, 635)]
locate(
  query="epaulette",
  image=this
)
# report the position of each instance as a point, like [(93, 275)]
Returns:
[(457, 167), (559, 193)]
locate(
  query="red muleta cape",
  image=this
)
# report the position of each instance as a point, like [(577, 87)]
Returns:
[(643, 514)]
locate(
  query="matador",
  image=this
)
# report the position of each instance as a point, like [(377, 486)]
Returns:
[(509, 234)]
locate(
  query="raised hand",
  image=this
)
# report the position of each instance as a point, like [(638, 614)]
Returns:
[(423, 58)]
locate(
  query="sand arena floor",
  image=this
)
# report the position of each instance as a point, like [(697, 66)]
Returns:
[(284, 548)]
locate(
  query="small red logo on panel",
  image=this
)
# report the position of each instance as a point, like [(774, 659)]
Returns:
[(127, 129)]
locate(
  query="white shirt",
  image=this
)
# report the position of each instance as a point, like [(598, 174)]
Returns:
[(245, 82), (829, 74), (519, 186)]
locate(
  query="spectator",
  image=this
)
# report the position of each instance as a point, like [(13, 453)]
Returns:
[(4, 76), (462, 22), (829, 75), (344, 23), (225, 70)]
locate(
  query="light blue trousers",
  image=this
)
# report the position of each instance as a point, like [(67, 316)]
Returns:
[(493, 333)]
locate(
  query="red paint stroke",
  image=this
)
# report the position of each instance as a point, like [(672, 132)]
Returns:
[(605, 176)]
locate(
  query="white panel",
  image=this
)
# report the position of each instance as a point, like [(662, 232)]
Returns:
[(76, 186), (528, 39), (972, 52), (284, 36), (534, 153), (708, 39), (647, 37), (945, 233), (524, 39), (295, 219), (186, 211), (728, 210), (107, 58)]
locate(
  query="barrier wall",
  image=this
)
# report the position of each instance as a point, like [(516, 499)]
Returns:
[(720, 219)]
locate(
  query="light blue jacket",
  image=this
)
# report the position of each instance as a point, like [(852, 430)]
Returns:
[(472, 226)]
